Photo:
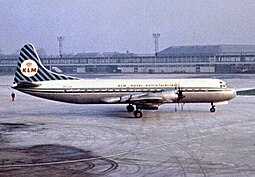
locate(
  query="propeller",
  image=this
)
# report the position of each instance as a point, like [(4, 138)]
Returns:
[(179, 92)]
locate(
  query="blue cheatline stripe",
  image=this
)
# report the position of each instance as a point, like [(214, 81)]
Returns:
[(103, 90)]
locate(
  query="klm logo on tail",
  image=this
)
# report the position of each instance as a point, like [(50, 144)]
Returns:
[(30, 68)]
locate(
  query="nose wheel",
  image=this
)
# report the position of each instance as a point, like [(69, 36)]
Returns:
[(212, 108)]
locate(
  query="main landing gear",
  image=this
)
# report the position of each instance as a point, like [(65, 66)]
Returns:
[(130, 108), (137, 113), (212, 108)]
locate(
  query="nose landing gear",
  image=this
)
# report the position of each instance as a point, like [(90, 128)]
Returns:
[(212, 108)]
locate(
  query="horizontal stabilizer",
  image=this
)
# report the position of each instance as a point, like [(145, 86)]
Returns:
[(25, 84)]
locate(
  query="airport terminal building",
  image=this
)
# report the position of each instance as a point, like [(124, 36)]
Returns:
[(175, 59)]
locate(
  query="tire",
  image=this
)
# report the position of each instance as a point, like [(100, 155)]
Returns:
[(138, 114), (212, 109), (130, 108)]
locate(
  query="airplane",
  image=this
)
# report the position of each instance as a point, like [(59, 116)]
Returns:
[(31, 77)]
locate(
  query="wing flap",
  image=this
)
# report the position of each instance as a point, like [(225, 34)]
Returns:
[(146, 99)]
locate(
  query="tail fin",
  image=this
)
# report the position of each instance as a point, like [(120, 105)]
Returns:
[(31, 69)]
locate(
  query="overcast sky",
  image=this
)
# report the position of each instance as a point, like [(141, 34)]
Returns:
[(121, 25)]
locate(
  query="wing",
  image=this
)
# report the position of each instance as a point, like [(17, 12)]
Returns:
[(149, 98)]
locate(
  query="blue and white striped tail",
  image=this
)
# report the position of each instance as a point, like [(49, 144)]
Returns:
[(31, 69)]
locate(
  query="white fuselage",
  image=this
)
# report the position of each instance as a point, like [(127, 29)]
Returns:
[(94, 91)]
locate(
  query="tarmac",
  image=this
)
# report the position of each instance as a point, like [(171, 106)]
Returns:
[(45, 138)]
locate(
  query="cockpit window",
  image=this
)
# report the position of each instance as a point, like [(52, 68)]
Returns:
[(223, 85)]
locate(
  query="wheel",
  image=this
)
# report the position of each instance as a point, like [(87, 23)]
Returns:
[(212, 109), (138, 114), (130, 108)]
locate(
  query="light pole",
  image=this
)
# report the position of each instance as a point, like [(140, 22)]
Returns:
[(156, 43), (60, 45)]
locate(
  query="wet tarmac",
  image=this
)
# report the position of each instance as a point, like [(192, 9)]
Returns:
[(46, 138)]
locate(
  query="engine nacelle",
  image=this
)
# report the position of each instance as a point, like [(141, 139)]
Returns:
[(170, 96)]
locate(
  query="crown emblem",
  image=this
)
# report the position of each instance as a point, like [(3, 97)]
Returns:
[(29, 64)]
